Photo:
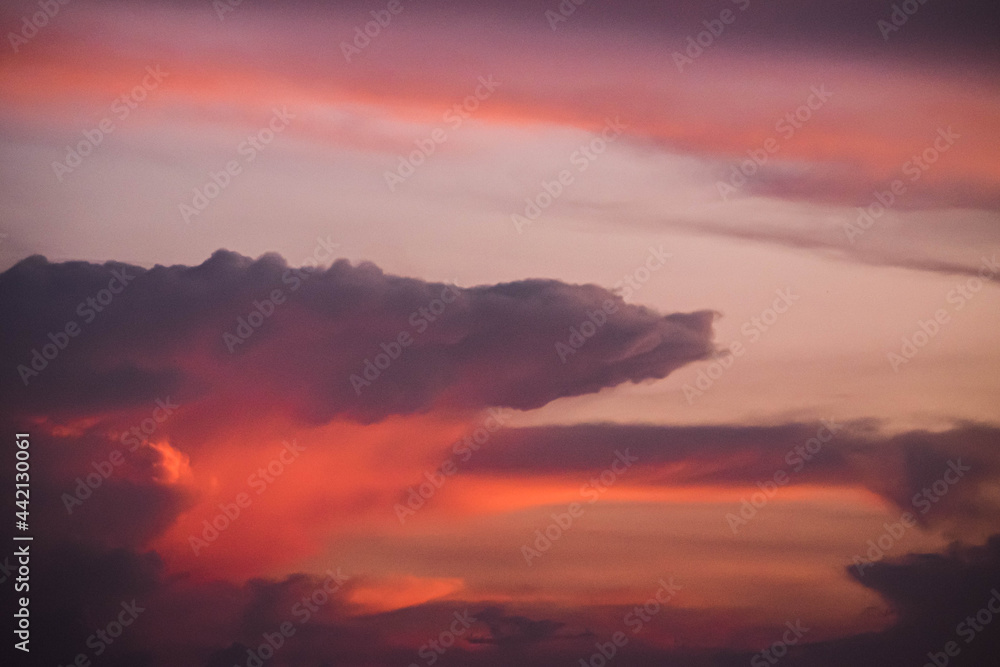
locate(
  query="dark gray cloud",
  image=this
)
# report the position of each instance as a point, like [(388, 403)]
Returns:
[(170, 330), (900, 467), (932, 595), (505, 629), (215, 623), (942, 32)]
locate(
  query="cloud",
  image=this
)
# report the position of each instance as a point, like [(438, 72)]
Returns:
[(319, 344), (914, 242), (183, 621), (900, 467), (504, 629), (933, 595), (215, 623), (845, 24)]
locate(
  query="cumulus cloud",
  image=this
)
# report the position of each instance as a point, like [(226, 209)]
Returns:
[(163, 334), (348, 341)]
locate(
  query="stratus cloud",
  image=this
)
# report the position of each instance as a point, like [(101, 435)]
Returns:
[(348, 341), (219, 623), (910, 241), (902, 468)]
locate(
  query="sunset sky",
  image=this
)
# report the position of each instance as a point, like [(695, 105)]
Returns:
[(495, 322)]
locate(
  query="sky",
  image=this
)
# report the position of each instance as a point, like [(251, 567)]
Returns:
[(424, 332)]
